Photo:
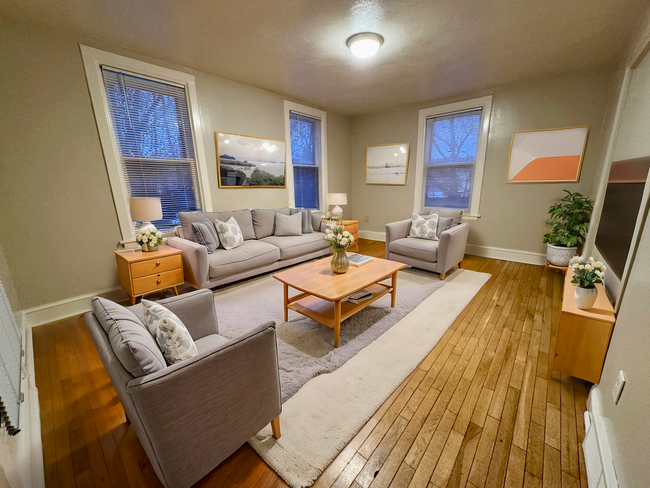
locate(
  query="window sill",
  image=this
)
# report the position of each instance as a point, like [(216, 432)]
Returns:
[(471, 217)]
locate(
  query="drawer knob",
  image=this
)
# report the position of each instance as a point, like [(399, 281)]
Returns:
[(157, 263), (158, 282)]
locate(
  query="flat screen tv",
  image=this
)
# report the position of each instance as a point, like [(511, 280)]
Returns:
[(623, 197)]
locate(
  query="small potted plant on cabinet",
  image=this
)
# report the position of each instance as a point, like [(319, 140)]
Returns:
[(569, 225)]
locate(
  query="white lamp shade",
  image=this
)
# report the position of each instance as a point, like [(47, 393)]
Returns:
[(146, 209), (337, 198)]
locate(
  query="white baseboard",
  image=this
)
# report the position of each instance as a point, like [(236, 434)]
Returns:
[(372, 235), (599, 462), (70, 307), (515, 255)]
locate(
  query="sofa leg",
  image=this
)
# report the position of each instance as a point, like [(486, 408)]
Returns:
[(442, 276), (275, 427), (459, 265), (128, 421)]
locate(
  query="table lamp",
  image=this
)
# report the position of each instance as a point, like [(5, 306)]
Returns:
[(145, 210), (337, 199)]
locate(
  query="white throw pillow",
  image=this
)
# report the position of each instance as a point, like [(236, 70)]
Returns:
[(172, 336), (288, 225), (230, 234), (424, 226)]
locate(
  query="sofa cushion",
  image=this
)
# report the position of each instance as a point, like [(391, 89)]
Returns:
[(457, 215), (210, 342), (307, 227), (444, 223), (424, 226), (288, 225), (423, 249), (170, 333), (206, 234), (130, 340), (264, 220), (243, 217), (251, 254), (293, 246), (230, 234)]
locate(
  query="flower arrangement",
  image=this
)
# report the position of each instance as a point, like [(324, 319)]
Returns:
[(338, 238), (331, 217), (148, 237), (586, 273)]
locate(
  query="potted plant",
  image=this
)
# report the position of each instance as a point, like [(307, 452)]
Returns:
[(339, 239), (569, 225), (586, 274)]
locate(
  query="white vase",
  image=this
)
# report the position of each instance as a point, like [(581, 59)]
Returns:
[(560, 255), (585, 297)]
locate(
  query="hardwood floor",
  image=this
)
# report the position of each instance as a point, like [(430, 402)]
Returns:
[(479, 411)]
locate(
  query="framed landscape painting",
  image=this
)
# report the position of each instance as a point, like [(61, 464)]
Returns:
[(547, 156), (250, 162), (387, 164)]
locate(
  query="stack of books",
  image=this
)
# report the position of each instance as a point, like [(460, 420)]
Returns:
[(359, 259), (360, 296)]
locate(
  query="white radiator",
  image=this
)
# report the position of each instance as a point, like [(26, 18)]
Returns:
[(10, 360)]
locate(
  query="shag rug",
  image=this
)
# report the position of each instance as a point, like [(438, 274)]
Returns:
[(329, 394)]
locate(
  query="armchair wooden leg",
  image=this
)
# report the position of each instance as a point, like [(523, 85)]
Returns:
[(459, 265), (275, 426), (442, 276), (128, 421)]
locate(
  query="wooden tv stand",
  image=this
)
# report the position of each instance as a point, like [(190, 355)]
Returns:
[(580, 347)]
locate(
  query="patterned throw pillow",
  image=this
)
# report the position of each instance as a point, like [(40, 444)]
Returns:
[(307, 227), (206, 235), (424, 226), (230, 234), (444, 223), (172, 337), (288, 225)]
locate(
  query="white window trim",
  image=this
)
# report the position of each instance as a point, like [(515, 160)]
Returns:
[(93, 59), (486, 104), (310, 112)]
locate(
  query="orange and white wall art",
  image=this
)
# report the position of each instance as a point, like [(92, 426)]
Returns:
[(547, 156)]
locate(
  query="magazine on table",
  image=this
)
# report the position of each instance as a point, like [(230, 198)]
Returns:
[(360, 296), (359, 259)]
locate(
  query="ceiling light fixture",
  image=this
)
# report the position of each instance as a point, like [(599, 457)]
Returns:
[(364, 44)]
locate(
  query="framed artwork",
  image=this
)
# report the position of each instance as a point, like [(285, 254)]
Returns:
[(250, 162), (547, 156), (387, 164)]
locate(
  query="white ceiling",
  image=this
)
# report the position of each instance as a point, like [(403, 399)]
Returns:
[(433, 49)]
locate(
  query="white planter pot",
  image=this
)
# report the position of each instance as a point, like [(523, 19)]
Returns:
[(560, 255), (585, 297)]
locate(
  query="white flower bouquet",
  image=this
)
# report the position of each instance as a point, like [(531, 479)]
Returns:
[(150, 238), (337, 237), (586, 273), (331, 217)]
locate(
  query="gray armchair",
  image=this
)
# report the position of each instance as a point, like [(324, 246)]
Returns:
[(192, 415), (437, 256)]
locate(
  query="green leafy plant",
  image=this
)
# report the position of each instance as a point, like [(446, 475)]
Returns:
[(587, 273), (569, 220)]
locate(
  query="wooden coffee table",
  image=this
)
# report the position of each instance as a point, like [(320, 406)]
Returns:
[(324, 292)]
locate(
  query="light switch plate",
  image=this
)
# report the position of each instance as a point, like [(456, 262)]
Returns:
[(618, 387)]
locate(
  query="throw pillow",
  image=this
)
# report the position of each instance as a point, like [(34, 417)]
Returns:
[(307, 227), (288, 225), (444, 223), (206, 235), (229, 233), (129, 338), (172, 336), (424, 226)]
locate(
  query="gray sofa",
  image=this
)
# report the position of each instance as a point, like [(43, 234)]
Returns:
[(192, 415), (261, 252), (437, 256)]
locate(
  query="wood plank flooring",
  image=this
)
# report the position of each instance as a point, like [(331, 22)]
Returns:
[(480, 410)]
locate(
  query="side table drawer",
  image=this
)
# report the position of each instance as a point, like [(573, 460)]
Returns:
[(157, 281), (154, 266), (352, 229)]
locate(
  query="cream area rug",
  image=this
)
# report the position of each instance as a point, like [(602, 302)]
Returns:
[(323, 416)]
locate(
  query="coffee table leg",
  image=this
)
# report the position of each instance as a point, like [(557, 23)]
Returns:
[(286, 302), (337, 322), (393, 294)]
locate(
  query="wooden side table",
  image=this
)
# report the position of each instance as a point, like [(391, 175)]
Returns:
[(352, 226), (583, 335), (144, 272)]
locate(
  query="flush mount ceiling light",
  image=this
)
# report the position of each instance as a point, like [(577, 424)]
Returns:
[(364, 44)]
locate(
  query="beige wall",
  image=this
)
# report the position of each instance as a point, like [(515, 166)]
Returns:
[(59, 223), (513, 216)]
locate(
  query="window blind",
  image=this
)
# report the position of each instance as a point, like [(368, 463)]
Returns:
[(151, 122), (10, 360), (306, 159), (450, 153)]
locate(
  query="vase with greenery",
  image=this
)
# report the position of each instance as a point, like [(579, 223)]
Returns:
[(586, 274), (569, 226), (339, 239), (149, 240)]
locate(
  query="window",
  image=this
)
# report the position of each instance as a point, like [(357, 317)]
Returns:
[(306, 127), (147, 126), (451, 155)]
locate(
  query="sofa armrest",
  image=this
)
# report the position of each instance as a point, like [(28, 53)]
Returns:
[(195, 260), (396, 230), (451, 248), (210, 404)]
